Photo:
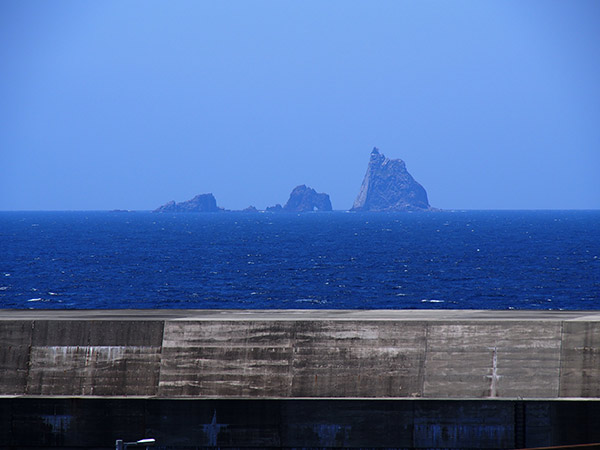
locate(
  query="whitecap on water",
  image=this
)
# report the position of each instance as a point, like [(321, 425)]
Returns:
[(431, 301), (35, 299), (310, 300)]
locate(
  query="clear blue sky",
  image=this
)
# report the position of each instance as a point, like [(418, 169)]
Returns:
[(130, 104)]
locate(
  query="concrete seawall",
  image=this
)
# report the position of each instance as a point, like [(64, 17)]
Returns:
[(301, 354), (299, 379)]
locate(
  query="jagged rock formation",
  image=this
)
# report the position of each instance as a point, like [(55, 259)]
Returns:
[(250, 209), (304, 199), (200, 203), (276, 208), (388, 186)]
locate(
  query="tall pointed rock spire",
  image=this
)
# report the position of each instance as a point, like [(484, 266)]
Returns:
[(388, 186)]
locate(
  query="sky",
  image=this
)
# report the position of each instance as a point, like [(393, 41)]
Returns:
[(127, 105)]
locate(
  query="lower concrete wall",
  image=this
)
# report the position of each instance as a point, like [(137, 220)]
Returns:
[(337, 379), (580, 360), (79, 357), (47, 423), (258, 357)]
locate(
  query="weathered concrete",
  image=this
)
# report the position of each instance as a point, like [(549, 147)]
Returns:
[(301, 354), (580, 360), (299, 379)]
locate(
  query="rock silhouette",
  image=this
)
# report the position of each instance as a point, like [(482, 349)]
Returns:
[(200, 203), (388, 186), (304, 198)]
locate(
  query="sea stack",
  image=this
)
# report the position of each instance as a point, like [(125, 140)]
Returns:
[(304, 199), (200, 203), (388, 186)]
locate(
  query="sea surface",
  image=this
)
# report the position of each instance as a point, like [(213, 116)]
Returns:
[(338, 260)]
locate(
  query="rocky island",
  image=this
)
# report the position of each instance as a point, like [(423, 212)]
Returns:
[(388, 186), (304, 199), (200, 203)]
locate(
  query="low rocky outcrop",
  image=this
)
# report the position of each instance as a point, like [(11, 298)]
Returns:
[(388, 186), (304, 199), (276, 208), (200, 203)]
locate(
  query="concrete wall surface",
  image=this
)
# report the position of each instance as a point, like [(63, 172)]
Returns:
[(50, 423), (301, 354)]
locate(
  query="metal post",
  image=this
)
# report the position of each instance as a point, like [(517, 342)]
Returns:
[(147, 442)]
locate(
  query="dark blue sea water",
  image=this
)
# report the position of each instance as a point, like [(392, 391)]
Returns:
[(469, 259)]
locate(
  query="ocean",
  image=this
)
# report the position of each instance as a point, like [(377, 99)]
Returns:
[(338, 260)]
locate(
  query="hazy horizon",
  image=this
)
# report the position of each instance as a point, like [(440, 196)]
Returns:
[(128, 105)]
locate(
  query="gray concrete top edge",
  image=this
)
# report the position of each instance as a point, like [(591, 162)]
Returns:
[(299, 315), (322, 399)]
